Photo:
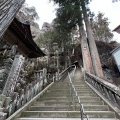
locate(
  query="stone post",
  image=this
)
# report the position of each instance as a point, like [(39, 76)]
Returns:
[(13, 51), (13, 75), (44, 75)]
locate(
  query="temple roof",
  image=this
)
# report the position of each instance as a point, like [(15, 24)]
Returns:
[(117, 29), (19, 34)]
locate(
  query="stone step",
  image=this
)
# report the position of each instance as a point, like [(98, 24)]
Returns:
[(75, 84), (64, 94), (55, 104), (67, 103), (55, 95), (81, 85), (65, 119), (49, 108), (54, 98), (68, 89), (52, 103), (58, 92), (67, 114), (67, 86), (59, 89), (64, 99), (83, 89), (68, 92), (70, 108), (80, 81), (67, 99), (93, 103), (86, 93), (62, 83), (58, 83), (46, 96), (59, 86), (96, 108)]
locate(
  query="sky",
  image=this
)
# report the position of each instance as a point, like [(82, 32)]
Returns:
[(46, 12)]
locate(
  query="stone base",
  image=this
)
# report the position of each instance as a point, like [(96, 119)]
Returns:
[(3, 116)]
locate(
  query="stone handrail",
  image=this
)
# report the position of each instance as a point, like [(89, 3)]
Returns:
[(19, 99), (64, 73), (24, 95), (110, 91), (22, 92), (74, 94)]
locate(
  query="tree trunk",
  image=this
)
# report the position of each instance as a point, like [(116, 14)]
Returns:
[(65, 55), (93, 49), (85, 51), (65, 52)]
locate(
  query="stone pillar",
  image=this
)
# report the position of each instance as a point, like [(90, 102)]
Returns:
[(44, 75), (3, 116), (13, 75), (13, 51)]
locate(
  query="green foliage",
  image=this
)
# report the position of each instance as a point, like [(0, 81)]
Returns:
[(100, 27), (68, 17), (47, 39)]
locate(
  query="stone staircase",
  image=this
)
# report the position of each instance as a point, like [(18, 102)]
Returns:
[(56, 103)]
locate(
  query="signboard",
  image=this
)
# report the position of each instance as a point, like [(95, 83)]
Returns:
[(13, 75)]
